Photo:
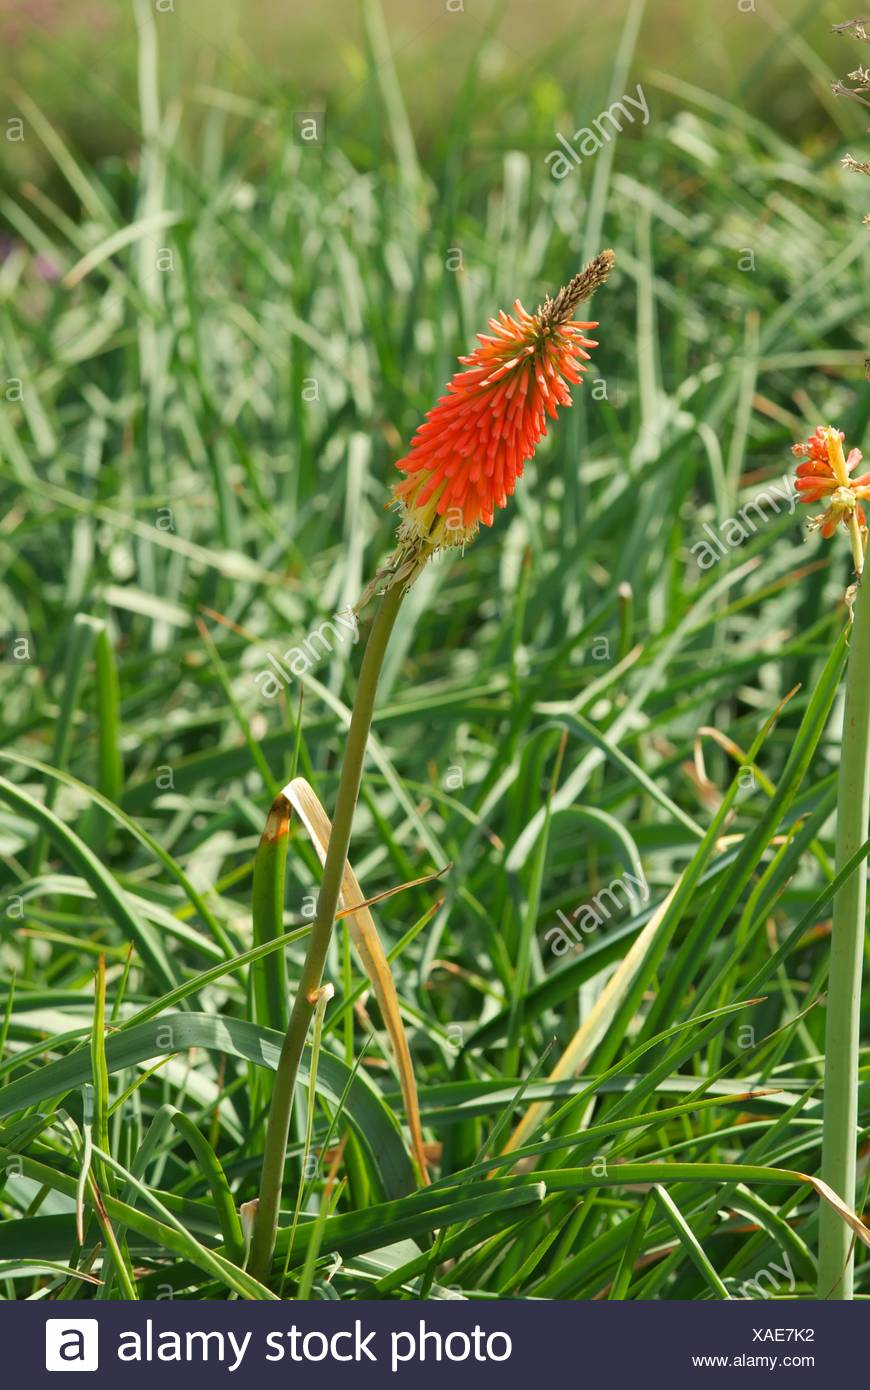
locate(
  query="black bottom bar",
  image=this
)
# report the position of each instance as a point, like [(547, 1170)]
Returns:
[(477, 1344)]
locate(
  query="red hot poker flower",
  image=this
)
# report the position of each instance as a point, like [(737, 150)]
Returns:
[(825, 473), (465, 458)]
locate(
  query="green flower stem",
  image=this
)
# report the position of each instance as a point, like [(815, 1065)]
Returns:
[(840, 1120), (275, 1148)]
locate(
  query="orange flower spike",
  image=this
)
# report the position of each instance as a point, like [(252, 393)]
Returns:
[(826, 473), (465, 458)]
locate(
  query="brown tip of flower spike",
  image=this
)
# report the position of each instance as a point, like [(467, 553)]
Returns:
[(583, 286)]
